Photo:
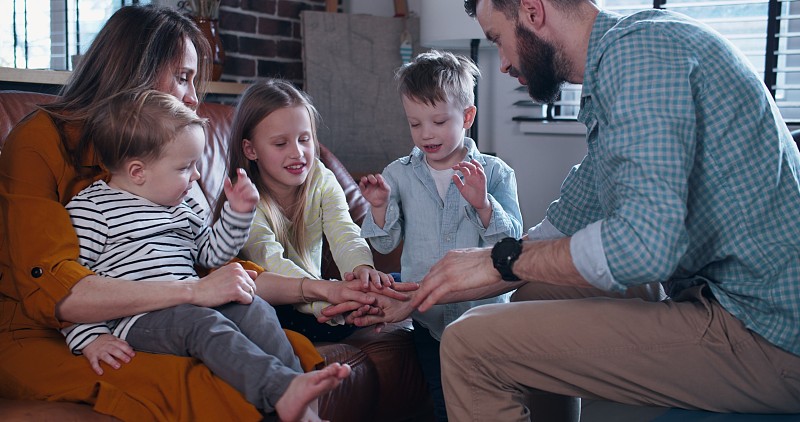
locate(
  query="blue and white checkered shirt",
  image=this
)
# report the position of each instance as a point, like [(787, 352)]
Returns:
[(691, 174)]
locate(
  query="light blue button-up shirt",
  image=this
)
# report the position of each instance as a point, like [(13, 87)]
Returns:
[(429, 227), (691, 174)]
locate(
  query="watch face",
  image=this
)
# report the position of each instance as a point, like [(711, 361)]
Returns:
[(504, 254), (506, 250)]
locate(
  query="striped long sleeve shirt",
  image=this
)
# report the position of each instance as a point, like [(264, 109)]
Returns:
[(124, 236)]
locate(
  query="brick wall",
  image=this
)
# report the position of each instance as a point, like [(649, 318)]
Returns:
[(263, 38)]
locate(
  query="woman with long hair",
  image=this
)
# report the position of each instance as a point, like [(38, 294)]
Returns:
[(46, 160)]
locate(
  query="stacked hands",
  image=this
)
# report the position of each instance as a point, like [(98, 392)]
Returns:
[(393, 302), (366, 297)]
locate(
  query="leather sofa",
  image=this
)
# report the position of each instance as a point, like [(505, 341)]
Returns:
[(386, 382)]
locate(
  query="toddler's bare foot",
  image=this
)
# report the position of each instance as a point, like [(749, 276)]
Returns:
[(298, 403)]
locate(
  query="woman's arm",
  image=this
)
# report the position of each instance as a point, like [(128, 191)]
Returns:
[(96, 298), (282, 290), (38, 249)]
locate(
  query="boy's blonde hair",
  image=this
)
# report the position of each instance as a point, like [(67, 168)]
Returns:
[(257, 102), (439, 76), (137, 124)]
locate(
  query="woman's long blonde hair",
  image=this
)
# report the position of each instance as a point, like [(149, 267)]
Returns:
[(256, 103)]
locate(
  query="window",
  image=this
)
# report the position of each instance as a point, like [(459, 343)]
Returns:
[(46, 34), (766, 31)]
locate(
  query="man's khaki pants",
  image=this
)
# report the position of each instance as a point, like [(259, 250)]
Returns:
[(686, 352)]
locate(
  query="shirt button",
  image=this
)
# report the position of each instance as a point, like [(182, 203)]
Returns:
[(37, 272)]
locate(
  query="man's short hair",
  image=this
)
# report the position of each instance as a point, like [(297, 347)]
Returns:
[(510, 8)]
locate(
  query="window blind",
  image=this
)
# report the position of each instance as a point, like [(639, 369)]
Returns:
[(46, 34)]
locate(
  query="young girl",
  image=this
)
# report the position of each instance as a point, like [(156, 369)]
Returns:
[(42, 167), (273, 138)]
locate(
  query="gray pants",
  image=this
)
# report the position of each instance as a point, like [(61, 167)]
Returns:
[(527, 359), (242, 344)]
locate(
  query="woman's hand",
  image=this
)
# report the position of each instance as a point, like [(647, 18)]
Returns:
[(110, 349), (391, 310), (230, 283), (350, 310)]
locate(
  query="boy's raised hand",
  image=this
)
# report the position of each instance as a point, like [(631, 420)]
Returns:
[(243, 196), (473, 185), (375, 190)]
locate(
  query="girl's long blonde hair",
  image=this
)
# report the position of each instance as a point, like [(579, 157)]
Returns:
[(257, 102)]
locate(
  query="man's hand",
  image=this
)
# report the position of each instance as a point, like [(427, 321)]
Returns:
[(473, 185), (230, 283), (243, 196), (458, 271), (109, 349)]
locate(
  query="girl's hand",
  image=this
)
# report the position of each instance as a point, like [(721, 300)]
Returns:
[(368, 275), (338, 292), (243, 196), (473, 185), (375, 190), (396, 291), (109, 349)]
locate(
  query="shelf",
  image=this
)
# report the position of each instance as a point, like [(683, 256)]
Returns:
[(59, 77), (543, 127)]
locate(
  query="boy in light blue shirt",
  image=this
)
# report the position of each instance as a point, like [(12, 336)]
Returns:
[(444, 195)]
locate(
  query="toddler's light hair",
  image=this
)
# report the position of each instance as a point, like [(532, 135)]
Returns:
[(137, 124)]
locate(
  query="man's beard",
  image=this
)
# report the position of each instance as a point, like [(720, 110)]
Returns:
[(540, 66)]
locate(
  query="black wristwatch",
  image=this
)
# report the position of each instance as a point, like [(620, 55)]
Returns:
[(504, 254)]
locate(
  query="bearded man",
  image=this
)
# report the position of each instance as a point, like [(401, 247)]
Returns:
[(691, 181)]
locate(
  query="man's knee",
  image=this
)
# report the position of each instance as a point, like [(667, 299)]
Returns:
[(452, 344), (469, 329)]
